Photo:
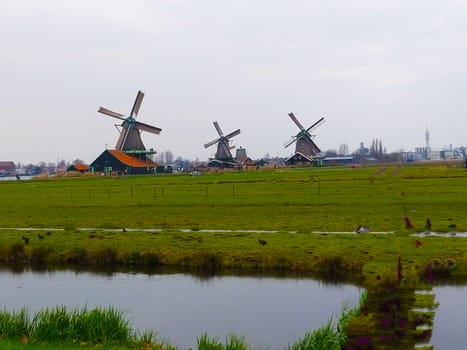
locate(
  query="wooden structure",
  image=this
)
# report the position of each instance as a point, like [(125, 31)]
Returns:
[(240, 155), (82, 168), (298, 159), (130, 156), (223, 157), (130, 130), (117, 162), (305, 148)]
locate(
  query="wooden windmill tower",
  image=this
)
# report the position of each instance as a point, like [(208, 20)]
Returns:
[(305, 148), (223, 153), (130, 130)]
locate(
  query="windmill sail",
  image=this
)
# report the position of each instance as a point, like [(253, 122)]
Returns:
[(304, 143), (223, 144), (130, 129)]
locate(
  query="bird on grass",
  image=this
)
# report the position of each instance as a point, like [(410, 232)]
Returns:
[(408, 223), (362, 229), (40, 236), (25, 239), (452, 226), (262, 241), (428, 224)]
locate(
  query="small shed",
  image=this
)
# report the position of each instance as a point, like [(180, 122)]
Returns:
[(82, 168), (261, 162)]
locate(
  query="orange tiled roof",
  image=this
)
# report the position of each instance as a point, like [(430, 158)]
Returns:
[(81, 167), (131, 161)]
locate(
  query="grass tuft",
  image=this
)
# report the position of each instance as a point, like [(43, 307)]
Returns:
[(233, 342), (58, 324)]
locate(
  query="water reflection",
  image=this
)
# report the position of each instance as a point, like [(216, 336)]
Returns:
[(449, 328), (270, 312)]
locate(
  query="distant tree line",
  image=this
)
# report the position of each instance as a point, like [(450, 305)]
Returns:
[(376, 152)]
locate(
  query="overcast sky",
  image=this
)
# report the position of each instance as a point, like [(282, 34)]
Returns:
[(372, 68)]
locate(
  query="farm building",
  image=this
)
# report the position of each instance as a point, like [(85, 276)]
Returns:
[(337, 160), (7, 168), (299, 159), (112, 161), (261, 162), (82, 168), (215, 163), (250, 163)]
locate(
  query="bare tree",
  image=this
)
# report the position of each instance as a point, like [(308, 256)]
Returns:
[(343, 149), (160, 158), (169, 157)]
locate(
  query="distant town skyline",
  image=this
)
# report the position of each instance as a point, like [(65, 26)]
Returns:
[(385, 70)]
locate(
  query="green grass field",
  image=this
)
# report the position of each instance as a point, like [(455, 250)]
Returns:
[(187, 221), (213, 221), (304, 200)]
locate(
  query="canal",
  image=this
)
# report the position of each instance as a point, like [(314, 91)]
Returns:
[(270, 312)]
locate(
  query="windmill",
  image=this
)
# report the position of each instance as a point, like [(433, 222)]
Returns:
[(223, 144), (130, 129), (304, 140)]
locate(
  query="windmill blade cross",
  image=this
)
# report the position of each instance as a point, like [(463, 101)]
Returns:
[(319, 122), (288, 143), (111, 113), (218, 128), (232, 134), (292, 116), (137, 104), (213, 142), (148, 128)]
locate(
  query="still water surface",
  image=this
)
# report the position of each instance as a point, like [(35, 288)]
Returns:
[(269, 312), (449, 326)]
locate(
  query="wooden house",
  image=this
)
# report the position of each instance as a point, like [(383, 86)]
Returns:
[(112, 161), (299, 159), (82, 168)]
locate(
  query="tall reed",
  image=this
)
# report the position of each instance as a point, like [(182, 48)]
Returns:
[(330, 336), (233, 342), (14, 324), (58, 324)]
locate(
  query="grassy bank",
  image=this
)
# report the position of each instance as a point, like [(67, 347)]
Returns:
[(214, 221)]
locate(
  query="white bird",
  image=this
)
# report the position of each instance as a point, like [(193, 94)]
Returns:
[(362, 229)]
